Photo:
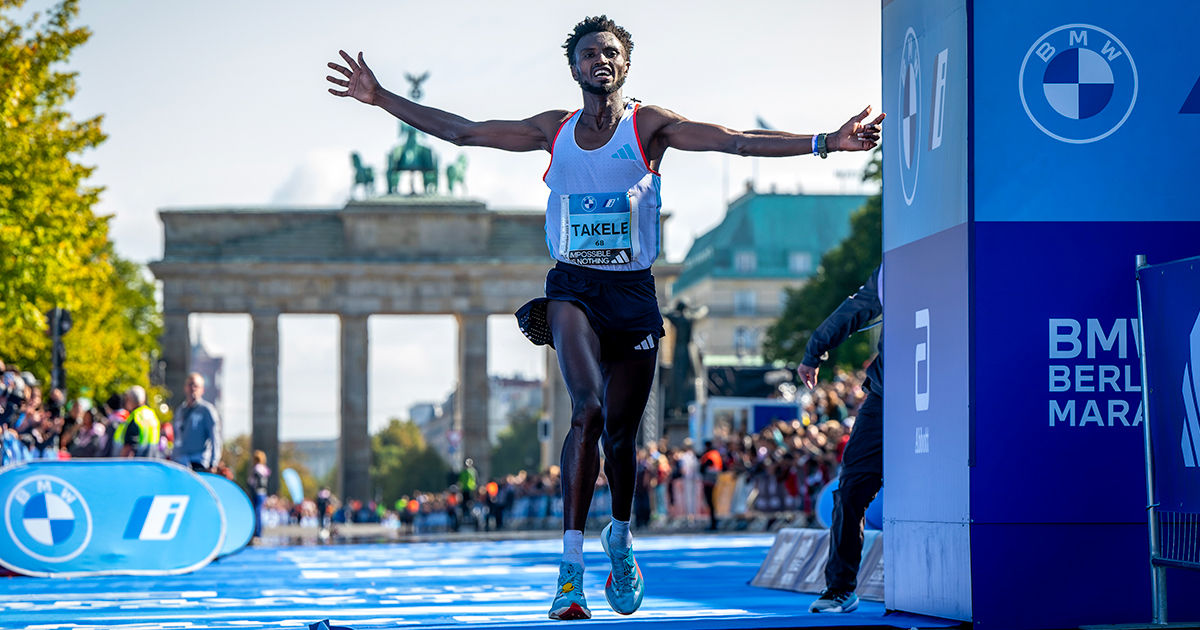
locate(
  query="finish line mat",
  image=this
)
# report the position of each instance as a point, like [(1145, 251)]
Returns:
[(692, 582)]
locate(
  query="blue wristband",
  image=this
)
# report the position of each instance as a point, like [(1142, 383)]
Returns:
[(814, 139)]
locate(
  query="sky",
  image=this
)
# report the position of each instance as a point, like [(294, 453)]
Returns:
[(224, 104)]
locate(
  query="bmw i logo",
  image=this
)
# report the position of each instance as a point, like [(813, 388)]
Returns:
[(589, 203), (48, 519), (910, 111), (1078, 83)]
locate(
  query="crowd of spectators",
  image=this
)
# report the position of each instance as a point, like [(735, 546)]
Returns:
[(38, 427), (732, 480), (734, 477)]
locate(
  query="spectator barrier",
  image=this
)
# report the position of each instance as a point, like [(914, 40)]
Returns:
[(1169, 316), (796, 562)]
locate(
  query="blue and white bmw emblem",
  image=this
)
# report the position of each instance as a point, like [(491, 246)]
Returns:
[(910, 115), (48, 519), (1078, 83), (589, 203)]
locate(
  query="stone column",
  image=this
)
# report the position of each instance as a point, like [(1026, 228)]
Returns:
[(354, 457), (264, 366), (557, 402), (471, 404), (177, 352)]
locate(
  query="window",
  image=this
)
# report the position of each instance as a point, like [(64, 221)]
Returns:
[(745, 341), (800, 262), (744, 302), (745, 262)]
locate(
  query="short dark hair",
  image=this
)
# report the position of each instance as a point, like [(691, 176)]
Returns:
[(595, 25)]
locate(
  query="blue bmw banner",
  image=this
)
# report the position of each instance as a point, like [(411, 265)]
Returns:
[(105, 517)]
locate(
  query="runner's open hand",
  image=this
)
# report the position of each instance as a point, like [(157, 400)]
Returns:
[(360, 83), (854, 135)]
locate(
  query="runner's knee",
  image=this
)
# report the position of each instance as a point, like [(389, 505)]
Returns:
[(619, 450), (587, 418)]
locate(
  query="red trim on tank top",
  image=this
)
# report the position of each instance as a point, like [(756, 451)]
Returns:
[(555, 141), (645, 160)]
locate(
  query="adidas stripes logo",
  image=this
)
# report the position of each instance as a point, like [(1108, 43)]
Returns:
[(620, 258), (647, 343), (625, 153)]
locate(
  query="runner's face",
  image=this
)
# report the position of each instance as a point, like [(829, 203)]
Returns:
[(600, 64)]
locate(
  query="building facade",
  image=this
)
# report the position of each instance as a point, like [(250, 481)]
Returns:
[(739, 270)]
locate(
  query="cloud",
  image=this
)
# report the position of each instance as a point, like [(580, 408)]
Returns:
[(323, 177)]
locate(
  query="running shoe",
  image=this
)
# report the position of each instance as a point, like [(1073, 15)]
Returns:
[(625, 585), (569, 602), (834, 601)]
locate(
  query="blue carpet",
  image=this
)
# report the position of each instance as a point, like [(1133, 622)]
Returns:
[(692, 582)]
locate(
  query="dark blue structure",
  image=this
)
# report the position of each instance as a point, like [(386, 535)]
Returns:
[(1018, 187)]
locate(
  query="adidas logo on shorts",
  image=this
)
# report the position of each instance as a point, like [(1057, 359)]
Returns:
[(647, 343)]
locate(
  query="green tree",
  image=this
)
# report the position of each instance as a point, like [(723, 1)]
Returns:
[(518, 448), (54, 250), (238, 456), (843, 269), (401, 462)]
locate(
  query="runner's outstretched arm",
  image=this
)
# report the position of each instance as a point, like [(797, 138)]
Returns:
[(668, 129), (530, 134)]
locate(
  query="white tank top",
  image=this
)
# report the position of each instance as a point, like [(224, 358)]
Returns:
[(604, 205)]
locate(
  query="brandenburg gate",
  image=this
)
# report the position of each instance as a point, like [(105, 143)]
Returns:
[(391, 255)]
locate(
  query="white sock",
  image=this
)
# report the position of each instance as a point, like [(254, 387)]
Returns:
[(573, 546), (619, 536)]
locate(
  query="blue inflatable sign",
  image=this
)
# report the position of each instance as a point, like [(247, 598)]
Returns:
[(239, 513), (295, 487), (107, 517), (873, 516)]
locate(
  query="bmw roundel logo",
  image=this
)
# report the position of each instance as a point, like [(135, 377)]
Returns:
[(48, 519), (910, 112), (1078, 83), (589, 203)]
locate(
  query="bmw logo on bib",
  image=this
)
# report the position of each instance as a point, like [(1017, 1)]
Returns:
[(48, 519), (1078, 83), (588, 203), (910, 111)]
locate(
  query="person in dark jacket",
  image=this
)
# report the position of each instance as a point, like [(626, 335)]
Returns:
[(862, 462)]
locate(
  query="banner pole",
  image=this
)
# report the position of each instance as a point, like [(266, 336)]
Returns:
[(1158, 584)]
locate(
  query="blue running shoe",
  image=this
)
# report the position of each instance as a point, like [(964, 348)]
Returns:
[(569, 602), (625, 585), (834, 601)]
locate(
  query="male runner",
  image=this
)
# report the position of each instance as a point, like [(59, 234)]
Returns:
[(600, 312), (862, 461)]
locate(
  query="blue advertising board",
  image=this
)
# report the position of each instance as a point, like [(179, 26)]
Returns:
[(1025, 278), (1171, 314), (107, 517), (925, 136), (926, 308), (239, 513)]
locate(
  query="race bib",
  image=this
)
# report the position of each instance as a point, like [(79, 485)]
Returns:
[(599, 229)]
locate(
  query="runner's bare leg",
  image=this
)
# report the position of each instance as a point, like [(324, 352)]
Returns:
[(578, 349), (626, 390)]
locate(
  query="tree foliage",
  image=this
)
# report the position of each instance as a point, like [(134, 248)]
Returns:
[(518, 448), (238, 455), (54, 250), (843, 269), (401, 463)]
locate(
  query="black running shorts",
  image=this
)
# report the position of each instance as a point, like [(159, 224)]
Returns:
[(621, 306)]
